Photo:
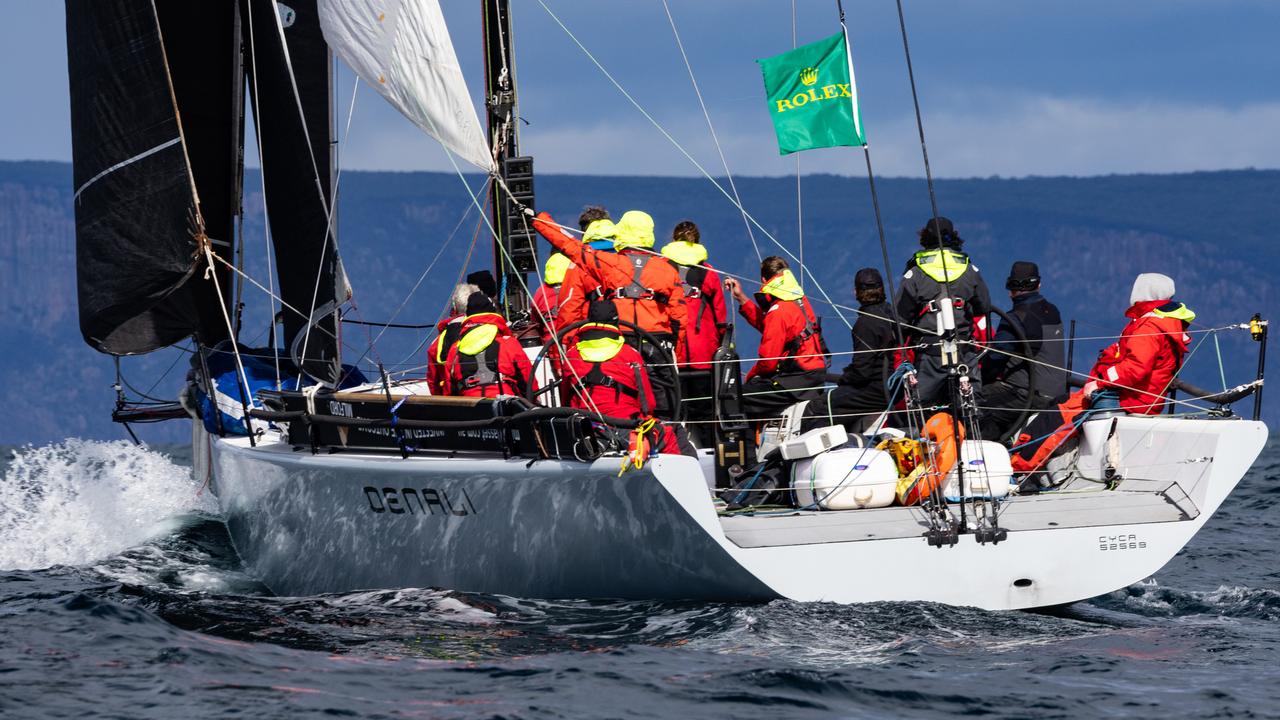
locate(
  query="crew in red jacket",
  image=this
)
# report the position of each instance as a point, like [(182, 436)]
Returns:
[(604, 374), (792, 360), (546, 302), (487, 360), (447, 332), (644, 284), (1141, 365), (703, 297), (1133, 374)]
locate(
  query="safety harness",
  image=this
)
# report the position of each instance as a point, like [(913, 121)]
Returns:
[(597, 352), (792, 347), (692, 278)]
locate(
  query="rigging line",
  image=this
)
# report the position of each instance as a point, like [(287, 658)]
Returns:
[(246, 395), (329, 209), (493, 233), (177, 118), (871, 182), (716, 139), (266, 217), (414, 289), (579, 388), (1086, 375), (799, 195), (658, 126), (915, 99)]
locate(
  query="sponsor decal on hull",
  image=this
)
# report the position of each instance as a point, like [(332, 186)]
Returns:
[(418, 501)]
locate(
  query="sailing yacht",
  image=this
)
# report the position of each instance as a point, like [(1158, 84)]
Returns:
[(330, 481)]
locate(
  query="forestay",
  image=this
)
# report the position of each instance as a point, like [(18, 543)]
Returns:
[(402, 48)]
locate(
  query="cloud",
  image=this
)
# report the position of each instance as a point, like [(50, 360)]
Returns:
[(978, 134)]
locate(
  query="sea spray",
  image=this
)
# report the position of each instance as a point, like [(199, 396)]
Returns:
[(82, 500)]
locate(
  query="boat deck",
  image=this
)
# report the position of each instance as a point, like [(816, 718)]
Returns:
[(1063, 509)]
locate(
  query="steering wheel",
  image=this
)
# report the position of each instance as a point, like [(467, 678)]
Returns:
[(671, 384), (1021, 338)]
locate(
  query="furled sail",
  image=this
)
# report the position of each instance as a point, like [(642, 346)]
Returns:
[(402, 49), (291, 87), (146, 184)]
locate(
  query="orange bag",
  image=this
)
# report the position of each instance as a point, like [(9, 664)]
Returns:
[(944, 433)]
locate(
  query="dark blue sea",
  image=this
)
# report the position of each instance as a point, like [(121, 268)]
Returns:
[(121, 597)]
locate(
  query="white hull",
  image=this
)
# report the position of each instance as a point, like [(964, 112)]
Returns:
[(328, 523)]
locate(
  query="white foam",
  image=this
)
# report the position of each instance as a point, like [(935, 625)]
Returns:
[(83, 500)]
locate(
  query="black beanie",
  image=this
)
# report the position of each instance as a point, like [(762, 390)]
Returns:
[(478, 303), (483, 279), (1024, 275)]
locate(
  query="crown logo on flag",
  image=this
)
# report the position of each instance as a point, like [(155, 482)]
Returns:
[(809, 76)]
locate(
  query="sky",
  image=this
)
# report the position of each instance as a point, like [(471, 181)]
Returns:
[(1009, 88)]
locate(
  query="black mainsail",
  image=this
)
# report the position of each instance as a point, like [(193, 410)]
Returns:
[(150, 180)]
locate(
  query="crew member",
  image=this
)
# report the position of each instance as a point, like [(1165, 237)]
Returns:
[(1141, 366), (708, 319), (1008, 376), (608, 376), (940, 265), (487, 360), (703, 298), (644, 285), (1133, 374), (793, 357), (546, 302), (861, 394), (580, 286), (447, 331)]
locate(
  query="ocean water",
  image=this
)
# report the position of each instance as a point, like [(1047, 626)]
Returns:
[(121, 597)]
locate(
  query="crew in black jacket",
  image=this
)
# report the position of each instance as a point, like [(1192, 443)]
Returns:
[(918, 306), (860, 394), (1006, 373)]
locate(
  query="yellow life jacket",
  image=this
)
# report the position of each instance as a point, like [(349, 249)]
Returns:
[(946, 265), (685, 253)]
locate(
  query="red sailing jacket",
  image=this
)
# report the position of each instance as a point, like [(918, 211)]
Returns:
[(706, 313), (1142, 364), (780, 325), (501, 368), (619, 395), (438, 353), (546, 303), (662, 311)]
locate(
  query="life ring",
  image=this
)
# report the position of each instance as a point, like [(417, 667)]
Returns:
[(946, 435)]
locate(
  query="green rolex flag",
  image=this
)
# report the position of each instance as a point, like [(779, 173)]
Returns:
[(812, 96)]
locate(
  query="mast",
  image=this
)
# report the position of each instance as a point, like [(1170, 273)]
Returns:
[(514, 241)]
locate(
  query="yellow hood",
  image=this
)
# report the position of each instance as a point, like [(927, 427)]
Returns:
[(600, 230), (783, 286), (557, 265), (685, 253), (635, 229)]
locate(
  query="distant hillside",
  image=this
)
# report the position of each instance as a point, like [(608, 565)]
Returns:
[(1213, 232)]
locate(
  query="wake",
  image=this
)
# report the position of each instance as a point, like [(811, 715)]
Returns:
[(78, 501)]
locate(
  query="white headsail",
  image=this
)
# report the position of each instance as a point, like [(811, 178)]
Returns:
[(402, 48)]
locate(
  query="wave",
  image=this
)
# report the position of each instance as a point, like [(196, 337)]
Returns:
[(1234, 601), (78, 501)]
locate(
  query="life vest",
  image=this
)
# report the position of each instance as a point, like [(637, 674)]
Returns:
[(946, 265), (478, 355), (598, 351)]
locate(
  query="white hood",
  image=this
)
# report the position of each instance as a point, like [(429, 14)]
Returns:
[(1151, 286)]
